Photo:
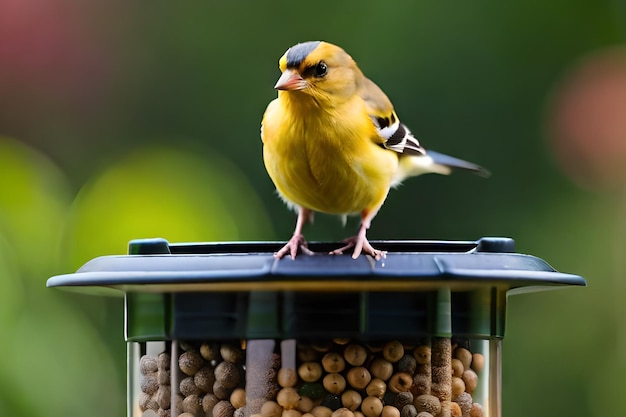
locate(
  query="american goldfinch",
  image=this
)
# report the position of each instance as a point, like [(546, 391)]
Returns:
[(332, 143)]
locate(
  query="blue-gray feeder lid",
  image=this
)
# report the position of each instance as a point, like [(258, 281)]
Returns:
[(239, 290), (155, 265)]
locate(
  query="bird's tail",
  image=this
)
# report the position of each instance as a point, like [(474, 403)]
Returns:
[(455, 163), (435, 163)]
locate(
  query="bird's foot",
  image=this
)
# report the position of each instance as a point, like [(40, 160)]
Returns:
[(360, 244), (296, 242)]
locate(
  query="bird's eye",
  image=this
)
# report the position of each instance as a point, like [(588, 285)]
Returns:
[(320, 69)]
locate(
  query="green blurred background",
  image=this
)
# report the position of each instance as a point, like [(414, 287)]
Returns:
[(122, 120)]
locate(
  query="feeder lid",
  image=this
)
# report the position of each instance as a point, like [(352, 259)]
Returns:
[(155, 265)]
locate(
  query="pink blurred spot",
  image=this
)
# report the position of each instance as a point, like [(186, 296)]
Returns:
[(48, 52), (587, 121)]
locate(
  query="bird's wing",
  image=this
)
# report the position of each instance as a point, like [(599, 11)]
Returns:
[(396, 136)]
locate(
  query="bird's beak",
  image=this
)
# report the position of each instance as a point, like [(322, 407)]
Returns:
[(290, 80)]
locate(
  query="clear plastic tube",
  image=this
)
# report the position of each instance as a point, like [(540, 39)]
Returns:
[(338, 377)]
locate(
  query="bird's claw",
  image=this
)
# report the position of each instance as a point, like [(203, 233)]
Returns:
[(360, 245), (296, 242)]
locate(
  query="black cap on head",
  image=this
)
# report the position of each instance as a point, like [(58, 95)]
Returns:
[(297, 53)]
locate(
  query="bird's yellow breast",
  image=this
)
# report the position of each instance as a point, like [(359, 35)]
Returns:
[(326, 159)]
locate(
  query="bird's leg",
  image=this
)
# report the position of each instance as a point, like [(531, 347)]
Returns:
[(297, 240), (360, 242)]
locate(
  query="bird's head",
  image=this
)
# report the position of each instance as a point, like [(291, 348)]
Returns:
[(319, 69)]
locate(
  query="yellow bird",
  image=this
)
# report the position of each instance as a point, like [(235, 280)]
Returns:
[(332, 143)]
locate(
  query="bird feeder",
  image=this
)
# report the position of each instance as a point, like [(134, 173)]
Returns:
[(227, 330)]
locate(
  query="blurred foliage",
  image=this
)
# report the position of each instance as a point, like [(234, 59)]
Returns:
[(126, 120), (163, 192)]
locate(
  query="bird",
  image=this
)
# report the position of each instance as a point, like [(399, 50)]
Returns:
[(333, 143)]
